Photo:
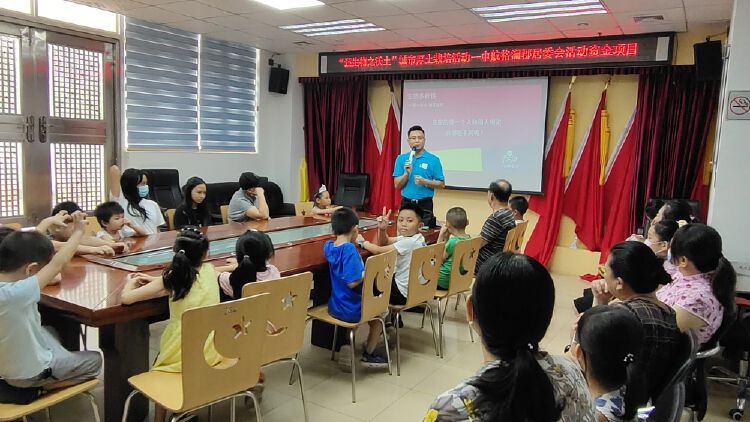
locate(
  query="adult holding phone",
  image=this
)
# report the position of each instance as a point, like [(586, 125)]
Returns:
[(418, 173)]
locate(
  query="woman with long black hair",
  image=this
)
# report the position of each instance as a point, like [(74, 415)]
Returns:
[(131, 190), (511, 308)]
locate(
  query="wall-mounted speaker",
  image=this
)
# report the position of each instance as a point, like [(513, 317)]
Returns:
[(278, 80), (708, 60)]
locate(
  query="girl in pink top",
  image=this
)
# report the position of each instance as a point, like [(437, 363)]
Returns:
[(254, 249), (703, 281)]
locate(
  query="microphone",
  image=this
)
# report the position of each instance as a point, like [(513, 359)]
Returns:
[(411, 154)]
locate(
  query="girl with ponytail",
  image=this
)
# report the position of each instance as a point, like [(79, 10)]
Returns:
[(254, 249), (190, 283), (511, 308), (703, 281), (607, 342)]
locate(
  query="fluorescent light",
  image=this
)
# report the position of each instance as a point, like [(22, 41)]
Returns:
[(543, 11), (315, 34), (314, 24), (550, 15), (290, 4), (543, 4), (333, 27)]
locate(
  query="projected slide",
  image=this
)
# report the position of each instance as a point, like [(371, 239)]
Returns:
[(482, 129)]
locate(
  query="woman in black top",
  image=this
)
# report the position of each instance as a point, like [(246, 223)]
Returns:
[(193, 210)]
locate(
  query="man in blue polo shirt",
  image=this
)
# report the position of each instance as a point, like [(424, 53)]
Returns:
[(418, 173)]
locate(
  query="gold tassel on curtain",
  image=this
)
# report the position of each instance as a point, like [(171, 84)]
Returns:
[(304, 188), (569, 137), (604, 138)]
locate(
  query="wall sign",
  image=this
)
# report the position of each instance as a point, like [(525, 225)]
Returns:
[(564, 53), (738, 106)]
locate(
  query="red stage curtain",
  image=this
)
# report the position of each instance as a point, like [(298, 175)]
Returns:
[(380, 159), (335, 119), (672, 133)]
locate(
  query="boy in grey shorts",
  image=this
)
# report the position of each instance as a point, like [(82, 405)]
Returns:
[(32, 356)]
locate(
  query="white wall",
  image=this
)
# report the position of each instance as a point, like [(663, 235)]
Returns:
[(280, 141), (730, 195)]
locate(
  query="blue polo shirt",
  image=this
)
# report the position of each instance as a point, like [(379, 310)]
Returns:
[(426, 165)]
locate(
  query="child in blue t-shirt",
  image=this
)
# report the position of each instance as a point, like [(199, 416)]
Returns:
[(347, 272), (32, 356)]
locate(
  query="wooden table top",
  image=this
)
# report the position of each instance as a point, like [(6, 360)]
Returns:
[(90, 293)]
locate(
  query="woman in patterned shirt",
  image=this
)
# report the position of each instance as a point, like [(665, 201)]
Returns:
[(511, 307), (703, 281)]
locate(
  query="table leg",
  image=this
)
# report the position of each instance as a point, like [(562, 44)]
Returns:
[(125, 348)]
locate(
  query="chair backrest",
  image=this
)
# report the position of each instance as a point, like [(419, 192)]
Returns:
[(164, 187), (465, 256), (376, 286), (170, 218), (510, 240), (668, 406), (92, 226), (274, 197), (303, 208), (351, 190), (520, 233), (238, 328), (424, 270), (224, 214), (286, 314)]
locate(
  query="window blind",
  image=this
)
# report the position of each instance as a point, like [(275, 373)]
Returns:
[(161, 87), (227, 96)]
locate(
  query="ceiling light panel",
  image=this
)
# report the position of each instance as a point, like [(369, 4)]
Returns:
[(290, 4), (339, 27), (540, 10)]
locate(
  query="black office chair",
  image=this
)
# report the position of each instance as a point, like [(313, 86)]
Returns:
[(164, 187), (696, 386), (352, 190), (275, 200), (668, 406), (736, 345), (218, 194)]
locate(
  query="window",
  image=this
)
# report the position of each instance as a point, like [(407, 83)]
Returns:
[(227, 96), (66, 11), (77, 14), (187, 92)]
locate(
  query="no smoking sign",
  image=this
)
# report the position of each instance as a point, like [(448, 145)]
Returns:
[(738, 107)]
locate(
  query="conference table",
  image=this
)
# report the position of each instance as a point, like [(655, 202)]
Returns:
[(90, 290)]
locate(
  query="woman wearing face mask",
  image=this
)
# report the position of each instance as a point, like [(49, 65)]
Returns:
[(131, 190), (660, 235)]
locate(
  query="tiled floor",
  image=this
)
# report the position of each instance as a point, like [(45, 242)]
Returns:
[(382, 397)]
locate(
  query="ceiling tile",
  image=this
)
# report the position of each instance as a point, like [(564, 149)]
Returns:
[(369, 8), (425, 6), (235, 6), (233, 22), (421, 34), (641, 6), (655, 27), (155, 14), (322, 14), (490, 39), (357, 46), (480, 30), (603, 21), (451, 17), (273, 33), (538, 37), (276, 18), (197, 26), (403, 43), (676, 15), (442, 42), (112, 5), (403, 21), (587, 33), (194, 9), (536, 26), (156, 2), (708, 14)]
